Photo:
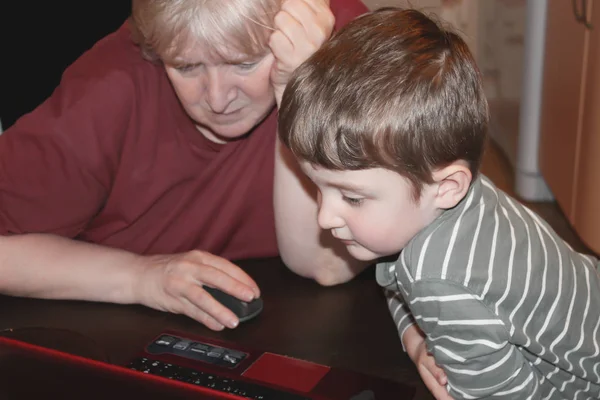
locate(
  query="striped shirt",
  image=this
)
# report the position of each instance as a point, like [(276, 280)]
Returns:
[(509, 310)]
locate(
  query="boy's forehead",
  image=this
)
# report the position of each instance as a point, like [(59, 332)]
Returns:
[(310, 168), (350, 179)]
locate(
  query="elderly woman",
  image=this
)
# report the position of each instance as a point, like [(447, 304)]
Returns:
[(155, 162)]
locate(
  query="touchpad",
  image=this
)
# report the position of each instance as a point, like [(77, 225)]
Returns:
[(286, 372)]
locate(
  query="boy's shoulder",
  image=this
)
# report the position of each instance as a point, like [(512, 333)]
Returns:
[(458, 245), (450, 229), (489, 236)]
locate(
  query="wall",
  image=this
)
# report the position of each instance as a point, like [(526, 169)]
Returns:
[(494, 31)]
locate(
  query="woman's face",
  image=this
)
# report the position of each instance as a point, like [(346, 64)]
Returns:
[(226, 96)]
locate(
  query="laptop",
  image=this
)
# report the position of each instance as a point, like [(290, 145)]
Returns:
[(29, 371), (178, 365)]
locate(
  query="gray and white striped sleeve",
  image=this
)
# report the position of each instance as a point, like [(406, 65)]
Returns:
[(472, 344), (401, 314)]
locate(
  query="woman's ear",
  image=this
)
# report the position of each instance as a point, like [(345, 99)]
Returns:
[(453, 182)]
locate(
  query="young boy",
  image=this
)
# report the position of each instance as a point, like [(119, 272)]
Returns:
[(389, 120)]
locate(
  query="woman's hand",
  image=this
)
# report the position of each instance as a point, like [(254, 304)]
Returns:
[(301, 27), (174, 283), (433, 376)]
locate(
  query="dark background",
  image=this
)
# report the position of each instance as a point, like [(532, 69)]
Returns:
[(38, 40)]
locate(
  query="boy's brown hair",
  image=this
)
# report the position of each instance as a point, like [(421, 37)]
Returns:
[(393, 90)]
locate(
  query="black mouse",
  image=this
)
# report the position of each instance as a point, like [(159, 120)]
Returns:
[(244, 310)]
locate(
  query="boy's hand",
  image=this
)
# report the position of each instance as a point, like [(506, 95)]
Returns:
[(301, 27), (433, 376)]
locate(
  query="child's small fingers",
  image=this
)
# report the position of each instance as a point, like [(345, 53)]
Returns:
[(436, 371), (440, 375), (442, 379)]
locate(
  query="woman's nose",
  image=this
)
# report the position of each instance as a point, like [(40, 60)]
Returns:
[(220, 90)]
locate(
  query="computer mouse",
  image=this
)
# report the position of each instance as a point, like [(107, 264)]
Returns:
[(244, 310)]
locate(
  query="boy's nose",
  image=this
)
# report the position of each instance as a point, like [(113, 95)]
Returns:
[(328, 219)]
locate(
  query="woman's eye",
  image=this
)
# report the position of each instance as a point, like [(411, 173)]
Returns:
[(353, 201), (247, 65), (186, 67)]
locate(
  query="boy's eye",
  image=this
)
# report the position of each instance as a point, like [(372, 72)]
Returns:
[(353, 201)]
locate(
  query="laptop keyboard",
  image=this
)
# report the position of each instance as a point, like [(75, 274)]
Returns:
[(210, 380)]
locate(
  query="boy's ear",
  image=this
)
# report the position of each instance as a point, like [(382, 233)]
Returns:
[(453, 182)]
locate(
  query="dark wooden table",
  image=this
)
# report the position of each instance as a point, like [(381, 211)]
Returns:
[(346, 326)]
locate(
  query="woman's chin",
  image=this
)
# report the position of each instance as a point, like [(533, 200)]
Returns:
[(225, 133)]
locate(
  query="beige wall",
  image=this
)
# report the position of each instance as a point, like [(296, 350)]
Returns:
[(494, 31), (373, 4)]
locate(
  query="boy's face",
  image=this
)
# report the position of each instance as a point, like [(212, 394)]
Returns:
[(371, 211)]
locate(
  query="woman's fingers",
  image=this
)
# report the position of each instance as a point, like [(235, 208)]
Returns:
[(176, 284), (225, 275), (301, 27)]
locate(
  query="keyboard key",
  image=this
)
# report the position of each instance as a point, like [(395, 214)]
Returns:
[(165, 340), (181, 345)]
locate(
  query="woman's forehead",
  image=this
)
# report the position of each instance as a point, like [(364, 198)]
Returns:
[(244, 44), (198, 51)]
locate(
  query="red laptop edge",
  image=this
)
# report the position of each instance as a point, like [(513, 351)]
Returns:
[(180, 365)]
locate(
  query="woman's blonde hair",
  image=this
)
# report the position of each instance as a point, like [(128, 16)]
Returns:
[(162, 28)]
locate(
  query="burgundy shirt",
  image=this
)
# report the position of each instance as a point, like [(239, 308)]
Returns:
[(112, 158)]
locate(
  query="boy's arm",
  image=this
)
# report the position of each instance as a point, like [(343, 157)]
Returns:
[(413, 342), (403, 319), (472, 344), (432, 375)]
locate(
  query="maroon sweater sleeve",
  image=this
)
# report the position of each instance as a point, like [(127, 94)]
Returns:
[(56, 162), (346, 10)]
